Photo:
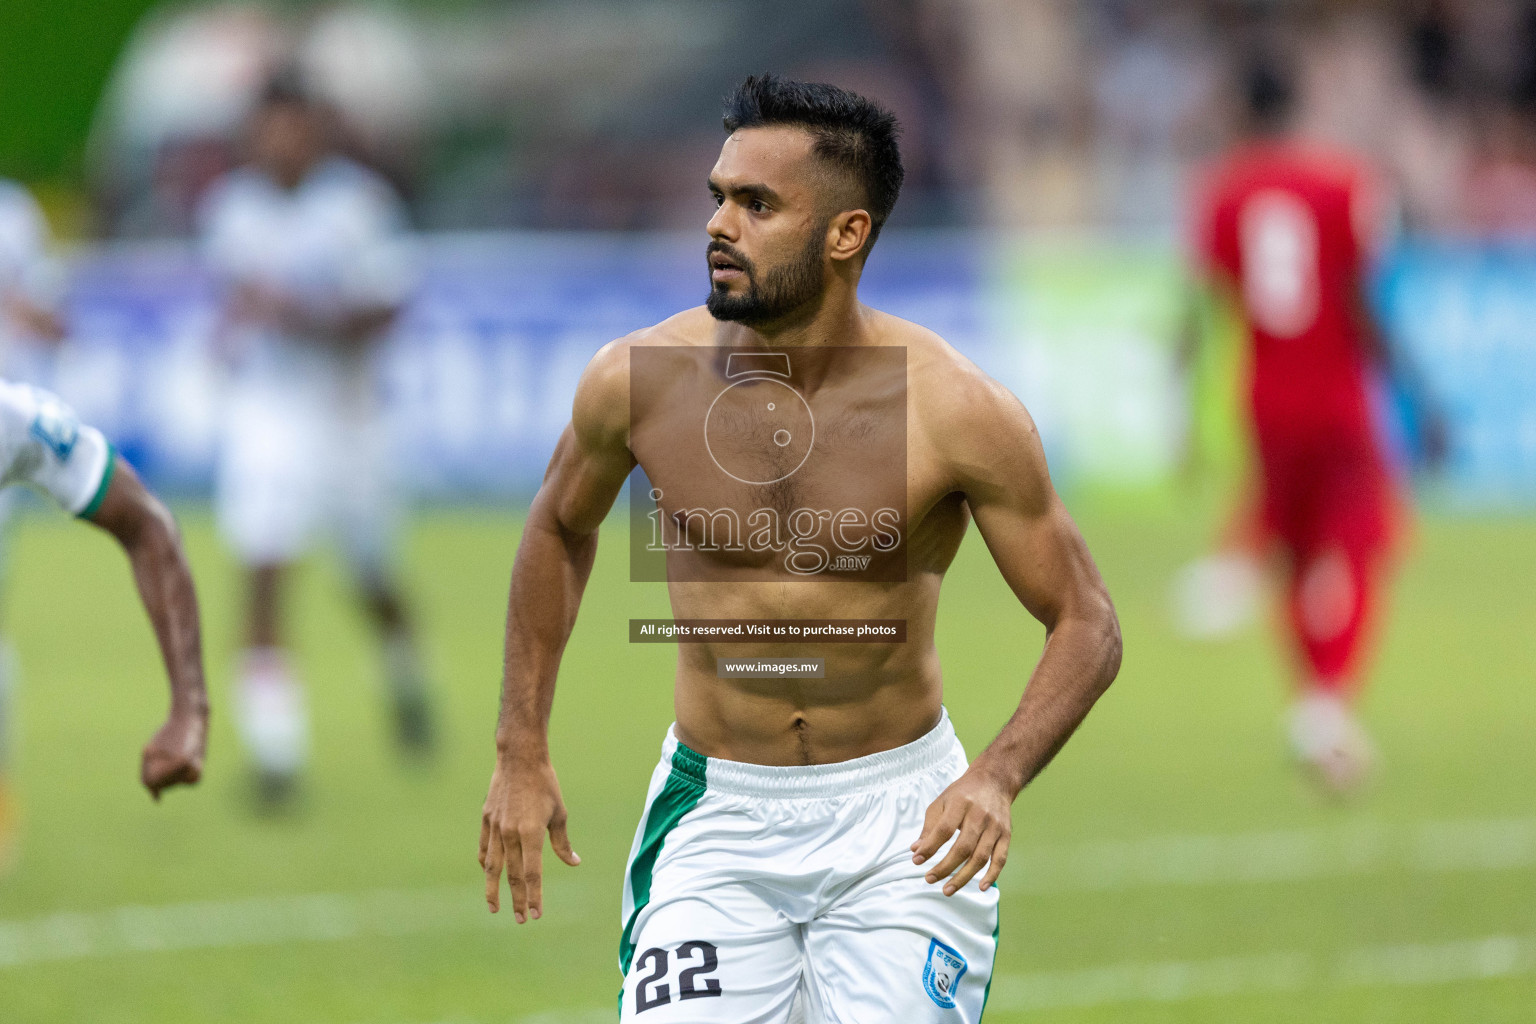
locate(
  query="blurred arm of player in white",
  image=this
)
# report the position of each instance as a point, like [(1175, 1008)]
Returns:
[(377, 278), (378, 271), (30, 279), (76, 467)]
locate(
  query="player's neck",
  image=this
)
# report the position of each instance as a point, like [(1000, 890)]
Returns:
[(836, 317)]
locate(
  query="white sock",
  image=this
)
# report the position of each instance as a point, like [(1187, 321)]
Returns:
[(273, 721), (1322, 726), (1217, 595)]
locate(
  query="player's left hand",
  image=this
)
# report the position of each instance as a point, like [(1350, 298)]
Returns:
[(174, 757), (980, 809)]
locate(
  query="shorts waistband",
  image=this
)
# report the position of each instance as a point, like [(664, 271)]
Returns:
[(817, 780)]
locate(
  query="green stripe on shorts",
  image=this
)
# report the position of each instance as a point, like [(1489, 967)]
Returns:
[(996, 928), (681, 793)]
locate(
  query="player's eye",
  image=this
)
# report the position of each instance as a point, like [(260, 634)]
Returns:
[(719, 199), (757, 206)]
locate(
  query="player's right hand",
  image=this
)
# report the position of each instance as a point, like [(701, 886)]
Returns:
[(174, 755), (523, 803)]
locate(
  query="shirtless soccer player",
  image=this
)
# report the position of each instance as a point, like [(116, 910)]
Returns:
[(820, 840), (44, 445)]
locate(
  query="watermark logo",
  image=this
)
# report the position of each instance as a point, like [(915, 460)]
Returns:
[(751, 422), (758, 465)]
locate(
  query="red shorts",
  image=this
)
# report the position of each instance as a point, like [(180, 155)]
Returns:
[(1329, 499), (1323, 491)]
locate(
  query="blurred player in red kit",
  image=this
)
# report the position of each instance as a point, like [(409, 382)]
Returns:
[(1287, 230)]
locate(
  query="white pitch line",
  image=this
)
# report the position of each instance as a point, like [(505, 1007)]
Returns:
[(1359, 849), (320, 917), (1172, 981)]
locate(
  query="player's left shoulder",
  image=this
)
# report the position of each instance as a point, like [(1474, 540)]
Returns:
[(946, 391), (956, 409)]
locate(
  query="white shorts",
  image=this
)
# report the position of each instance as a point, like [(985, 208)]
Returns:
[(751, 888), (297, 463)]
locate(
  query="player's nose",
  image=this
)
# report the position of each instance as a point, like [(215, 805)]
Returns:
[(722, 225)]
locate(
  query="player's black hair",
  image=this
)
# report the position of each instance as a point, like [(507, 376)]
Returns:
[(1268, 91), (855, 135)]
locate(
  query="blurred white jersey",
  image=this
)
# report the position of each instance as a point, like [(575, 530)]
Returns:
[(335, 244), (304, 445), (43, 443), (26, 268)]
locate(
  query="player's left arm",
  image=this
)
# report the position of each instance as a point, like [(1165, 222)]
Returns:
[(148, 534), (1000, 467)]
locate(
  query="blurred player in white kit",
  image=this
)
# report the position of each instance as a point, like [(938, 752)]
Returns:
[(29, 290), (312, 253)]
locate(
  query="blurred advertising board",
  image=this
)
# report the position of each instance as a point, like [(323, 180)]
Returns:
[(480, 373), (1466, 315)]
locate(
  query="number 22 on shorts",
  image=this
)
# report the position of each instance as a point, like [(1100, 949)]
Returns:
[(693, 982)]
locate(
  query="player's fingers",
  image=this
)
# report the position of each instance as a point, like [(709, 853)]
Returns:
[(974, 863), (147, 773), (533, 871), (158, 772), (937, 833), (161, 773), (491, 860), (930, 818), (512, 851), (560, 842), (964, 845), (995, 867), (485, 837)]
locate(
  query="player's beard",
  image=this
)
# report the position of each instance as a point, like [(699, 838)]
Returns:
[(790, 286)]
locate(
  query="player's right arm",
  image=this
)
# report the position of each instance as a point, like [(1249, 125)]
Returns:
[(554, 559), (75, 466), (147, 532)]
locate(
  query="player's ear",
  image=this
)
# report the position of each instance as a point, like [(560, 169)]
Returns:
[(847, 233)]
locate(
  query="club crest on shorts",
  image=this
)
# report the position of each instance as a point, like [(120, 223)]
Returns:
[(942, 973)]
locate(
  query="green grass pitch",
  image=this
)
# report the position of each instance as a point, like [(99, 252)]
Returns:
[(1169, 867)]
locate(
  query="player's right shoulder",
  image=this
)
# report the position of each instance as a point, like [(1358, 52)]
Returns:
[(601, 411)]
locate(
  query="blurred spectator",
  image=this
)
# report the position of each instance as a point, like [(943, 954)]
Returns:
[(1019, 113)]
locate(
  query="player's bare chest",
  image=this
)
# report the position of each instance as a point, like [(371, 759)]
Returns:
[(750, 465)]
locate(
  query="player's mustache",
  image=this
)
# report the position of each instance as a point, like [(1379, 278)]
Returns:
[(733, 254)]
